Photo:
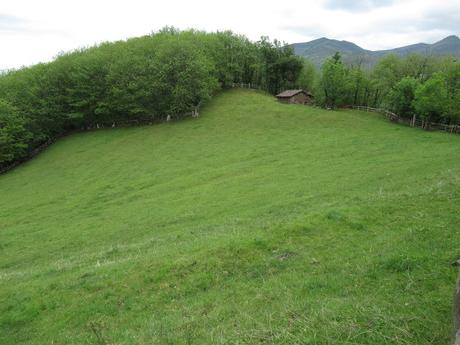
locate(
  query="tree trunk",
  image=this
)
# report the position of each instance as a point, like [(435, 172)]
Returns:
[(376, 95)]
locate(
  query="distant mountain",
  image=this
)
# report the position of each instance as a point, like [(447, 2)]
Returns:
[(320, 49)]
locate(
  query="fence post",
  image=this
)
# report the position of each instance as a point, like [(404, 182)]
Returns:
[(456, 309)]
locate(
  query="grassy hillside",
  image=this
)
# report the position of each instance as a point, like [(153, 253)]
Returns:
[(256, 223)]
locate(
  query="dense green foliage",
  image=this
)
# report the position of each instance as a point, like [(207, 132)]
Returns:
[(426, 86), (431, 99), (256, 223), (13, 135), (333, 82), (402, 96), (146, 78)]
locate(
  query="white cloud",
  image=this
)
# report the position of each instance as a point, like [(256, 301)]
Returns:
[(33, 31)]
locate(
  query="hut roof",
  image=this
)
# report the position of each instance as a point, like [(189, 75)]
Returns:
[(291, 93)]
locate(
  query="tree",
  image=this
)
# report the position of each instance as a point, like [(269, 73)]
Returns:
[(288, 69), (13, 135), (431, 99), (307, 76), (385, 75), (278, 66), (356, 85), (333, 81), (401, 97), (452, 77), (419, 67), (184, 77)]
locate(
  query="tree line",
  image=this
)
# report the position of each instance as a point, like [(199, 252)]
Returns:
[(425, 86), (152, 77), (169, 72)]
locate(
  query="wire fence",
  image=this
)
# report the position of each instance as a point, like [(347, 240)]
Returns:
[(412, 122)]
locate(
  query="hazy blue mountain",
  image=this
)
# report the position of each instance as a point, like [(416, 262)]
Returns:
[(320, 49)]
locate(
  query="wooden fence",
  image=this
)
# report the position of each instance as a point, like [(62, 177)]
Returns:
[(194, 112), (413, 122), (246, 86)]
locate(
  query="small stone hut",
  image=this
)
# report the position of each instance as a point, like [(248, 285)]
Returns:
[(295, 97)]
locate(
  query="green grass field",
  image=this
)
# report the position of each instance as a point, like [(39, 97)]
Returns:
[(257, 223)]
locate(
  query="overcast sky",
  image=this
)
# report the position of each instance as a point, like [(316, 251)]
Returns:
[(33, 31)]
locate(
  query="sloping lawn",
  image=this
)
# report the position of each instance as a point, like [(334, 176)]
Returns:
[(257, 223)]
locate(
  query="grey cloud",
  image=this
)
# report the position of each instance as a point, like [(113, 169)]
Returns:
[(431, 24), (441, 20), (445, 20), (352, 5)]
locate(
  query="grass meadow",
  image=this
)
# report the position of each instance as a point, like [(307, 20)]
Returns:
[(256, 223)]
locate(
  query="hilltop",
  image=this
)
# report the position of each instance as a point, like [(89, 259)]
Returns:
[(320, 49), (257, 222)]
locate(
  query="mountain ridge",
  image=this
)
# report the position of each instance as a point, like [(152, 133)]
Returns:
[(319, 49)]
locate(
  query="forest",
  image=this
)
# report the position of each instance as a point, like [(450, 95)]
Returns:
[(422, 85), (167, 73)]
